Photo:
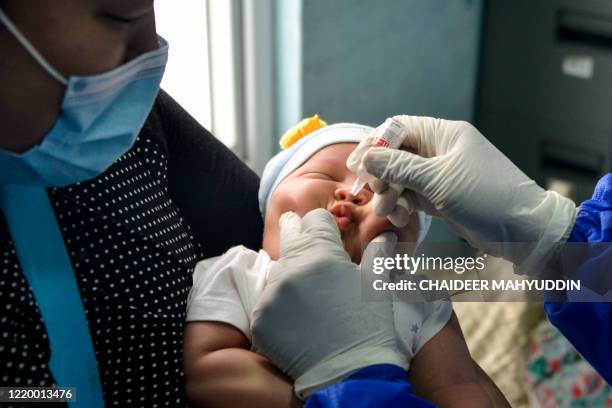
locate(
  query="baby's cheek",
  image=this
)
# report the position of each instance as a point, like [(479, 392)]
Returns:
[(297, 197), (374, 226), (281, 202), (377, 225)]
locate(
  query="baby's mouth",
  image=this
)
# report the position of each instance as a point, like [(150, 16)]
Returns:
[(343, 216)]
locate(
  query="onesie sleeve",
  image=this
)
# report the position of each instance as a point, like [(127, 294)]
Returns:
[(226, 287), (436, 316)]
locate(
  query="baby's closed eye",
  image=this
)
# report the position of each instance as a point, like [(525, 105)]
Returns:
[(318, 175)]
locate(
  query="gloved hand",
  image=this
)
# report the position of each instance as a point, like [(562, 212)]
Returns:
[(448, 169), (311, 320)]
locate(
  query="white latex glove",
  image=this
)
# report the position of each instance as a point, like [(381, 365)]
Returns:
[(311, 320), (454, 172)]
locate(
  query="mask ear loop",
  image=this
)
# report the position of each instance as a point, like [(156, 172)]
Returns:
[(30, 49)]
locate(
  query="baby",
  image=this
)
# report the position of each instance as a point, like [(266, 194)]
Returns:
[(312, 174)]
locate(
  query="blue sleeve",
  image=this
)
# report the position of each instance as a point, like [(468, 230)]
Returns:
[(588, 326), (383, 385)]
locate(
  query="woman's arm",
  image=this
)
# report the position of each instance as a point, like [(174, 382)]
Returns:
[(221, 372), (444, 373)]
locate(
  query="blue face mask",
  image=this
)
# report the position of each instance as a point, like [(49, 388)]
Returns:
[(99, 120)]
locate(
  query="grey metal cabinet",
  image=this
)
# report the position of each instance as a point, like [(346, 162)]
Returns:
[(545, 88)]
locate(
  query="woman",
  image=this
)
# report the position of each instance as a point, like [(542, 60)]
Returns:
[(102, 217)]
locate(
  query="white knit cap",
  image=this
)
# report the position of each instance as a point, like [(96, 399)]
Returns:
[(289, 160)]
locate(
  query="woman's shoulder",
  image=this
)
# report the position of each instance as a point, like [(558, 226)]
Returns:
[(188, 144), (170, 123), (214, 189)]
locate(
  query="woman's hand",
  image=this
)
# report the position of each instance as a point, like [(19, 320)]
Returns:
[(450, 170), (311, 320)]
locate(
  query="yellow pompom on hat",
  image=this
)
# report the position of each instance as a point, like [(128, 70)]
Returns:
[(305, 127)]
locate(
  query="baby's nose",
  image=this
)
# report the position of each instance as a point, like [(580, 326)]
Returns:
[(344, 194)]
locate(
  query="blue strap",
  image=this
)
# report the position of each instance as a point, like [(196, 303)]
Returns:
[(45, 263)]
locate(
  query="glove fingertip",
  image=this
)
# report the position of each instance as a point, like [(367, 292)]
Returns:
[(382, 245), (287, 216), (387, 237), (290, 220), (320, 219), (317, 214), (356, 157), (384, 203), (376, 161), (400, 217), (378, 186)]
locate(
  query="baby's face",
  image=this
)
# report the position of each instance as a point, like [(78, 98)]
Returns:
[(323, 181)]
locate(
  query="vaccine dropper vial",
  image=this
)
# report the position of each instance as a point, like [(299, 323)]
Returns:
[(390, 135)]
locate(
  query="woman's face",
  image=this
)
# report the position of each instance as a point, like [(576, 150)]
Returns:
[(84, 37), (323, 181), (77, 37)]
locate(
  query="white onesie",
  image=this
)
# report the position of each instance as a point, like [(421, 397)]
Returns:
[(225, 289)]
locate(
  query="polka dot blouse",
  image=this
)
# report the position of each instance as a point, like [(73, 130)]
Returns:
[(134, 235)]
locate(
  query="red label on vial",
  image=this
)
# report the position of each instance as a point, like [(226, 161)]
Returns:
[(381, 142)]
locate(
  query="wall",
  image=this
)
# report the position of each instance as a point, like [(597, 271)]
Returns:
[(358, 60), (366, 60), (288, 57)]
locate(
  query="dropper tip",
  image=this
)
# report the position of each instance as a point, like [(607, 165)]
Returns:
[(357, 186)]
